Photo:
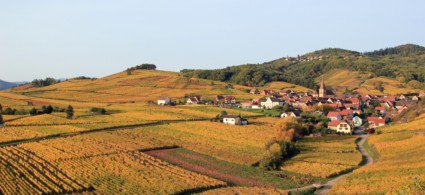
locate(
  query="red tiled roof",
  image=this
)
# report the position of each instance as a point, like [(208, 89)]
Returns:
[(333, 114), (346, 112), (376, 120), (333, 123), (380, 108)]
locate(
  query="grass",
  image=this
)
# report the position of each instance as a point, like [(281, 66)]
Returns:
[(371, 149)]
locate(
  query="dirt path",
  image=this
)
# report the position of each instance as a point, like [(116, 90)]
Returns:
[(211, 171), (326, 188)]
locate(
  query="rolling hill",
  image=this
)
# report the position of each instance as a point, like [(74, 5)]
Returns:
[(405, 64)]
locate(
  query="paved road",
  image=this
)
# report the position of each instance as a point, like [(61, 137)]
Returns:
[(325, 188)]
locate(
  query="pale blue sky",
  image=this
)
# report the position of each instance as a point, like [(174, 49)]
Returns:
[(96, 38)]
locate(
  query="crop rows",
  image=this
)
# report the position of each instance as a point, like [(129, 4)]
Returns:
[(24, 172)]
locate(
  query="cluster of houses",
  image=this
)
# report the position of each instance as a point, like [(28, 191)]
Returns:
[(347, 108)]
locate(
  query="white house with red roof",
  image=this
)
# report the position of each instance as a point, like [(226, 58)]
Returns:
[(192, 100), (376, 121), (344, 127), (164, 100)]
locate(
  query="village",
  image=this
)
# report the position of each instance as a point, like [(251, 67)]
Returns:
[(344, 113)]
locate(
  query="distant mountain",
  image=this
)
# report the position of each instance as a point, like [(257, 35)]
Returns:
[(6, 85), (404, 63)]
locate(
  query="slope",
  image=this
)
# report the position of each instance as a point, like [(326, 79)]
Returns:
[(400, 168), (341, 80), (404, 63), (140, 86)]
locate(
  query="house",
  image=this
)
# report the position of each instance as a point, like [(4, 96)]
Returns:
[(415, 98), (333, 125), (381, 110), (192, 100), (230, 100), (334, 116), (376, 121), (344, 127), (247, 105), (219, 99), (357, 121), (271, 102), (291, 114), (347, 114), (234, 120), (254, 91), (164, 100)]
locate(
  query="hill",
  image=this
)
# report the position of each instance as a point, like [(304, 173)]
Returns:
[(140, 86), (345, 81), (6, 85), (405, 63)]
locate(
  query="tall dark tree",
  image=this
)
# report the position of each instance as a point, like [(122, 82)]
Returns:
[(49, 109), (1, 120), (33, 112), (69, 112)]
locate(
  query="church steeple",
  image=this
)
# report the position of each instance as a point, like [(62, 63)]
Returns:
[(322, 90)]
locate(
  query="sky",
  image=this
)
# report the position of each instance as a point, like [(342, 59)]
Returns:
[(96, 38)]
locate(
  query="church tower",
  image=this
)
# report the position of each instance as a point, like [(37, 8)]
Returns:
[(322, 90)]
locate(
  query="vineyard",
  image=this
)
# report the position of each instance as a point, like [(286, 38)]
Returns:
[(324, 156), (113, 152), (401, 148)]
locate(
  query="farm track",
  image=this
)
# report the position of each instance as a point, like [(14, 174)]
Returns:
[(62, 135), (326, 188)]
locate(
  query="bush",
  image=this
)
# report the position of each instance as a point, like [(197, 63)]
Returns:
[(98, 110), (276, 153)]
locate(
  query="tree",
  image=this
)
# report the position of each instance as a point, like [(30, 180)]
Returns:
[(1, 109), (49, 109), (69, 112), (286, 108), (8, 111), (1, 120), (33, 112), (128, 71), (222, 114), (287, 129)]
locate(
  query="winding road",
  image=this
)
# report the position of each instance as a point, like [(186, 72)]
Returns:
[(326, 188)]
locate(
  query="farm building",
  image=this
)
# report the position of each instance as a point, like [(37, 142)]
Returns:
[(164, 101), (234, 120)]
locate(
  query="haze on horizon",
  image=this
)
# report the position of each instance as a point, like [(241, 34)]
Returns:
[(64, 39)]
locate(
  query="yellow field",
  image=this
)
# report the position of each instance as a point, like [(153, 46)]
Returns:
[(391, 87), (109, 173), (340, 79), (239, 144), (285, 86), (140, 86), (343, 78), (324, 156), (401, 148)]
